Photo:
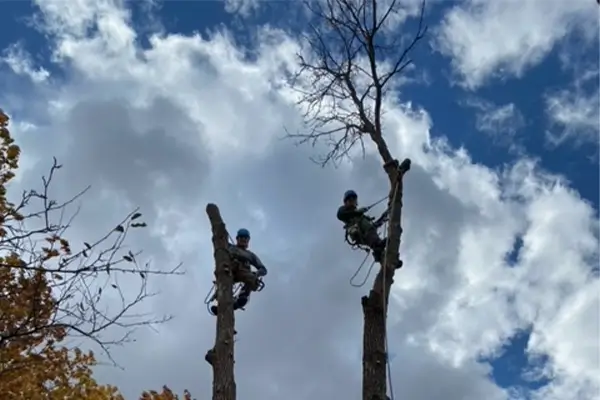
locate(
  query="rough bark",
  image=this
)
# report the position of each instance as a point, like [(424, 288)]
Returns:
[(376, 303), (224, 387)]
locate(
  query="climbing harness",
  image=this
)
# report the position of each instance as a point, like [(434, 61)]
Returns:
[(352, 231), (237, 287)]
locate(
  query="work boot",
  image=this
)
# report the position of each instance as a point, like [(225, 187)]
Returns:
[(240, 302), (210, 356), (377, 256)]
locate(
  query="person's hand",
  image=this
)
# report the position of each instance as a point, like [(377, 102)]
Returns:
[(363, 210), (261, 272)]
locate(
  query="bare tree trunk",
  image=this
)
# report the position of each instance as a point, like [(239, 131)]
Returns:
[(375, 356), (224, 387), (343, 104)]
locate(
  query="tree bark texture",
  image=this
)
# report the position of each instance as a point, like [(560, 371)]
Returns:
[(224, 387), (376, 303)]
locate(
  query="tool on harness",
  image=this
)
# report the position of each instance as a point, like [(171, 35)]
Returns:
[(352, 231), (211, 297)]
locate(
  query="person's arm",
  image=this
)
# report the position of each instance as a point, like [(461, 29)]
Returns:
[(257, 263), (346, 214)]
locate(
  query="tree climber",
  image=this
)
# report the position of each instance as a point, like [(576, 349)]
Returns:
[(361, 228), (242, 272)]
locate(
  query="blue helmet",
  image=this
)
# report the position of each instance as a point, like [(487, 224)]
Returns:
[(243, 233), (350, 194)]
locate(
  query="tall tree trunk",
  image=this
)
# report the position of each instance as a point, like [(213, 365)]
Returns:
[(375, 305), (223, 369)]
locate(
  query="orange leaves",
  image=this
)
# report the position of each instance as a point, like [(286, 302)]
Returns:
[(34, 363), (46, 292)]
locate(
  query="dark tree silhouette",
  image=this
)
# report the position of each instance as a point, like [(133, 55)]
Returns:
[(221, 356), (352, 63)]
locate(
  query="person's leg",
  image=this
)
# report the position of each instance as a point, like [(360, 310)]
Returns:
[(243, 274), (250, 284), (376, 244)]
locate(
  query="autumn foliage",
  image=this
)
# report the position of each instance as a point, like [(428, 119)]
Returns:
[(50, 293)]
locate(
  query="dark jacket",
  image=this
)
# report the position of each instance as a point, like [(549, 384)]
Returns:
[(349, 214), (249, 257)]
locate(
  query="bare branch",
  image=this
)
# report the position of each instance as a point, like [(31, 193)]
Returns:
[(34, 251), (347, 72), (343, 81)]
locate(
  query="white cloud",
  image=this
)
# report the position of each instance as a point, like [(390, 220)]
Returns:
[(488, 39), (20, 62), (575, 112), (192, 113), (500, 122)]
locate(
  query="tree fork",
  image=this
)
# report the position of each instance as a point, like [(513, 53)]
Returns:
[(222, 354)]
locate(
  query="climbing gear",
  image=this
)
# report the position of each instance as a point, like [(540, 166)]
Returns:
[(350, 194), (239, 302), (364, 281), (243, 233), (237, 286), (237, 289), (352, 230)]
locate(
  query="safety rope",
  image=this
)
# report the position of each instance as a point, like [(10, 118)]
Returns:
[(377, 202), (359, 285), (378, 223)]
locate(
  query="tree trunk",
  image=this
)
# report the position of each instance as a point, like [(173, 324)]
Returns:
[(223, 370), (375, 305)]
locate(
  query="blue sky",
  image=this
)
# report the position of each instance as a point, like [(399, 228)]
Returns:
[(499, 118), (444, 101)]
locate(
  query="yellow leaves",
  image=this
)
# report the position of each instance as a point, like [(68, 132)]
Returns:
[(166, 394), (35, 363), (13, 152), (3, 118)]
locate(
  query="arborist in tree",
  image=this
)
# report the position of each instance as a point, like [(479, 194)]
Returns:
[(361, 228), (242, 272)]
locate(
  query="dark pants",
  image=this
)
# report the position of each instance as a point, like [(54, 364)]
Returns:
[(243, 274), (368, 236), (249, 280)]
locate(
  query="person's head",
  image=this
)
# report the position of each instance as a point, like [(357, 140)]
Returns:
[(242, 238), (350, 198)]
